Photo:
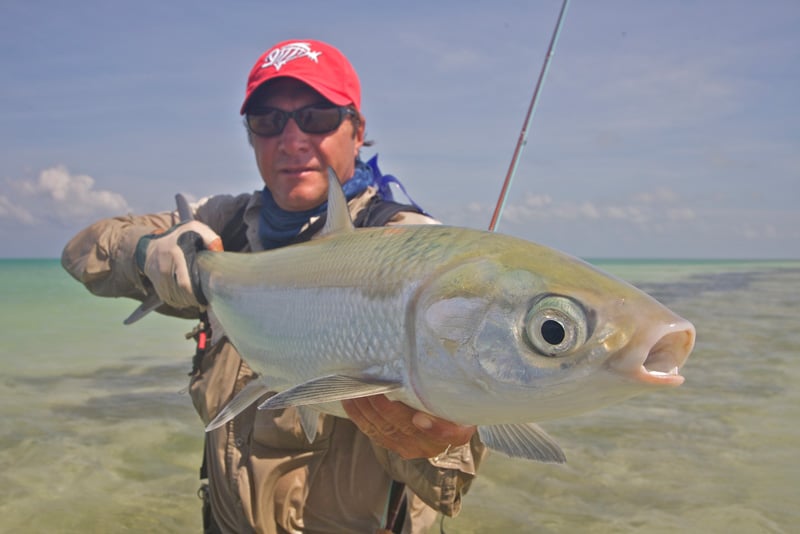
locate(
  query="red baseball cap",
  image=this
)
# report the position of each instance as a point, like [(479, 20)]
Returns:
[(315, 63)]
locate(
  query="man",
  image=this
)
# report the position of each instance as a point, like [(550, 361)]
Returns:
[(302, 112)]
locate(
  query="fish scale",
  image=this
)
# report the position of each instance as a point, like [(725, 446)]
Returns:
[(345, 321)]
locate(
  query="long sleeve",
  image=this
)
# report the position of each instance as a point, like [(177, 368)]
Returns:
[(101, 256)]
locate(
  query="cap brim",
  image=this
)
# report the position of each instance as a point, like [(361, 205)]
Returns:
[(326, 92)]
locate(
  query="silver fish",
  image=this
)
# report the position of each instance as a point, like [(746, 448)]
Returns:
[(475, 327)]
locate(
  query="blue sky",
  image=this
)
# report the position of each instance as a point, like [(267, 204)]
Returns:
[(665, 129)]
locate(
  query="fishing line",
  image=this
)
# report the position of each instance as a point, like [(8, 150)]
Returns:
[(523, 135)]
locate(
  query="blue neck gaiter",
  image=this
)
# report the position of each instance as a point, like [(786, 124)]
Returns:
[(277, 227)]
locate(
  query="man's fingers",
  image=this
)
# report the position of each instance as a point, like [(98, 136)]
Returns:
[(376, 427), (452, 433), (376, 415), (390, 415), (410, 433), (351, 407)]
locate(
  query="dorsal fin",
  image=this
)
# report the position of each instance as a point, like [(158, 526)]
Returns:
[(338, 218)]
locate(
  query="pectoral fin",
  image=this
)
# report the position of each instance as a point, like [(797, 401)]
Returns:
[(150, 303), (251, 393), (328, 389), (527, 441)]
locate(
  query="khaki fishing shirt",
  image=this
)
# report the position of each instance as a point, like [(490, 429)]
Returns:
[(264, 476)]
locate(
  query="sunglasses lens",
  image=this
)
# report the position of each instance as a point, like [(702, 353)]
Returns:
[(318, 120), (268, 123)]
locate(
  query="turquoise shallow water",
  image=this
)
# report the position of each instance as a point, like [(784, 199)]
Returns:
[(96, 434)]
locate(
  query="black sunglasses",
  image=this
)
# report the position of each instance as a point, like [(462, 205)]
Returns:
[(313, 119)]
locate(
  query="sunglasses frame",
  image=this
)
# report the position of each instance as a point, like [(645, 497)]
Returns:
[(286, 115)]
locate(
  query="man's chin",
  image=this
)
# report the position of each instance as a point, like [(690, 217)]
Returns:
[(302, 199)]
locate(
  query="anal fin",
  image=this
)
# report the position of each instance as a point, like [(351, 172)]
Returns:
[(527, 441)]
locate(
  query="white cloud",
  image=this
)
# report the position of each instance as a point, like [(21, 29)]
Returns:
[(537, 201), (659, 196), (8, 210), (759, 231), (681, 214), (645, 210), (58, 194), (475, 208)]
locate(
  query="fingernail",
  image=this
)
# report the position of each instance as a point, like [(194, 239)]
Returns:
[(422, 421)]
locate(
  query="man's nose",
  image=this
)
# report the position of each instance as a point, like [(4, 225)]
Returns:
[(292, 137)]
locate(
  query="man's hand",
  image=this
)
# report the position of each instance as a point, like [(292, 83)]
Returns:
[(406, 431), (166, 260)]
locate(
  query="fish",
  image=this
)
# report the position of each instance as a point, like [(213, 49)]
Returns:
[(471, 326)]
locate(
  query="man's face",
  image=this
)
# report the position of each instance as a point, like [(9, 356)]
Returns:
[(293, 164)]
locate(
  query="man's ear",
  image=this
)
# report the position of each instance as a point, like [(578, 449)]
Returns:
[(360, 128)]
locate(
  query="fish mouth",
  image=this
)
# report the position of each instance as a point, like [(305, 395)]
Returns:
[(667, 355)]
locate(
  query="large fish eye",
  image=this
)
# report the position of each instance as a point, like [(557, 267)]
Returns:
[(556, 325)]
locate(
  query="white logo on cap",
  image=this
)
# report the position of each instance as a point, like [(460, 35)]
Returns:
[(283, 55)]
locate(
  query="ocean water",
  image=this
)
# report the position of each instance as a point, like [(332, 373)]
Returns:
[(97, 433)]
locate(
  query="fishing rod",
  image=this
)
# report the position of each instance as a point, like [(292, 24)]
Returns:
[(523, 135), (398, 488)]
